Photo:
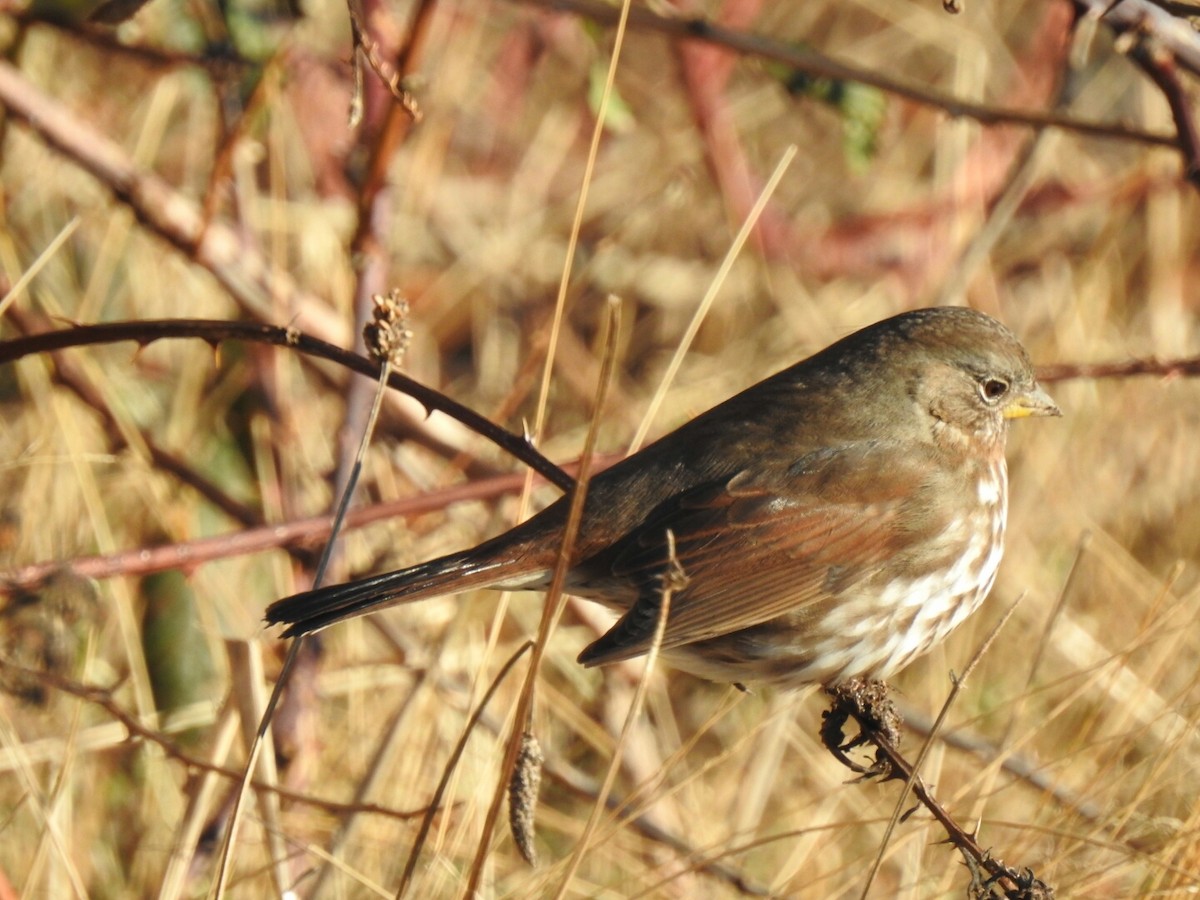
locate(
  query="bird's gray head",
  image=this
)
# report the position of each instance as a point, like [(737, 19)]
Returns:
[(970, 375)]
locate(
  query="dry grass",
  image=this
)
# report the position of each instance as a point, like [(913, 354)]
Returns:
[(1092, 687)]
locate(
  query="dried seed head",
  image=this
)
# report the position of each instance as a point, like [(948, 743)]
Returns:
[(522, 796), (387, 335)]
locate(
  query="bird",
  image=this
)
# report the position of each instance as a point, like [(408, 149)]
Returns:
[(832, 522)]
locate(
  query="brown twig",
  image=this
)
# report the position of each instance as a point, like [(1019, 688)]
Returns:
[(222, 63), (892, 765), (1018, 885), (1159, 64), (389, 76), (816, 64), (1149, 365), (102, 698), (232, 137)]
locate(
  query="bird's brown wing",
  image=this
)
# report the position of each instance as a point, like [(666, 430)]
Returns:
[(764, 543)]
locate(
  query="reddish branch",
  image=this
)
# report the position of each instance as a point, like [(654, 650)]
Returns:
[(298, 533), (706, 67), (1163, 368)]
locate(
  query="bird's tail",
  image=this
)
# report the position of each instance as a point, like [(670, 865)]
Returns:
[(475, 568)]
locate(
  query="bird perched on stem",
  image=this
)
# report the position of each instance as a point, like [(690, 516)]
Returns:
[(833, 521)]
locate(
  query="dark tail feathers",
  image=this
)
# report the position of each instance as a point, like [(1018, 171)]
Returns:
[(316, 609)]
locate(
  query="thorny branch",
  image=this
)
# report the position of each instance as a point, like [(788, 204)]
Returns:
[(215, 331), (867, 704), (388, 75)]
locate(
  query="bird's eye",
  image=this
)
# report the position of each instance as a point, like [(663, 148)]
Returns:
[(993, 388)]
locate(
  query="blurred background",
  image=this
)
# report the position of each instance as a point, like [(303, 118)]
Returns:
[(197, 160)]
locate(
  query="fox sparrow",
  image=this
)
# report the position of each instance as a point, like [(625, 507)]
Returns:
[(833, 521)]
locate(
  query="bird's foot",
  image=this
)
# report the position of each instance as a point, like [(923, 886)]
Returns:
[(868, 703)]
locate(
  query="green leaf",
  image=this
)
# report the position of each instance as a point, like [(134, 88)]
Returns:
[(619, 117)]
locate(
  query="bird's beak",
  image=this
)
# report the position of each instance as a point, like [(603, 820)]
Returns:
[(1033, 402)]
